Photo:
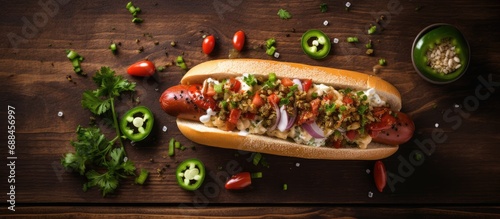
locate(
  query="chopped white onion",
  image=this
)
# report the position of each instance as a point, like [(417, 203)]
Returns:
[(298, 83), (283, 123)]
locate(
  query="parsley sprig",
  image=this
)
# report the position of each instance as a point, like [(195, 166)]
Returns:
[(96, 157)]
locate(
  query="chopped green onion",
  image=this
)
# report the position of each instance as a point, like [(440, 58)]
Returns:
[(113, 48), (270, 42), (352, 39), (272, 77), (137, 20), (369, 44), (180, 62), (270, 51), (72, 54), (177, 145), (285, 187), (218, 88), (256, 158), (382, 62), (75, 59), (372, 29), (142, 177), (256, 175), (171, 147)]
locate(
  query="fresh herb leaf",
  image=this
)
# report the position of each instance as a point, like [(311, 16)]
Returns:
[(95, 104), (284, 14), (250, 80), (111, 85)]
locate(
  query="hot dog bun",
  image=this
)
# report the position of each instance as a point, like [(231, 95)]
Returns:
[(219, 69)]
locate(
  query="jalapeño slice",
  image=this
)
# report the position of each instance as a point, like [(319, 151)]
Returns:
[(137, 123)]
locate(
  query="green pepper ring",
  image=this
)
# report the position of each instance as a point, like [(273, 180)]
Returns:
[(145, 122), (426, 39), (311, 37), (198, 177)]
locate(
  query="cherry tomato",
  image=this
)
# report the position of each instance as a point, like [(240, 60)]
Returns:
[(273, 99), (234, 85), (239, 181), (239, 40), (208, 44), (202, 101), (287, 82), (379, 175), (257, 100), (351, 134), (234, 116), (306, 84), (143, 68)]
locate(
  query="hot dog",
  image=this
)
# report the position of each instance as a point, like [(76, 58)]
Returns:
[(289, 109)]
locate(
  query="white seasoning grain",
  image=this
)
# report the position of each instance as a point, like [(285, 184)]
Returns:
[(443, 58)]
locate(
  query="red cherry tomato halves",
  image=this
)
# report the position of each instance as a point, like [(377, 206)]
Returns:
[(239, 40), (208, 44), (143, 68), (379, 175), (239, 181)]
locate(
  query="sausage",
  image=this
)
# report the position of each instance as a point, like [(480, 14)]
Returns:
[(177, 101), (399, 133)]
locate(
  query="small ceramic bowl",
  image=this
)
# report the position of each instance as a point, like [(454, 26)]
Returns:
[(446, 65)]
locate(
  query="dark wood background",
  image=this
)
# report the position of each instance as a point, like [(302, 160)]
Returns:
[(461, 178)]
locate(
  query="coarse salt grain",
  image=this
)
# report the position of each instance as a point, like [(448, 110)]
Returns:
[(335, 40), (297, 164), (60, 113), (125, 159), (436, 125), (276, 55), (457, 106), (325, 23), (164, 129), (370, 194), (348, 4), (368, 171)]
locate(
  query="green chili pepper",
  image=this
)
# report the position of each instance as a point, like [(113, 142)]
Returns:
[(433, 38), (190, 174), (137, 123), (316, 44)]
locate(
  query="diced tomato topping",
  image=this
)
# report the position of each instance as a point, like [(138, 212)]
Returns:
[(351, 134), (210, 92), (202, 101), (347, 99), (250, 116), (257, 100), (234, 85), (306, 84), (310, 115), (379, 111), (337, 144), (287, 82), (386, 122), (234, 115), (273, 99)]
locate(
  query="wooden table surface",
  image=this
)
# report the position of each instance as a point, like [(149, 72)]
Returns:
[(460, 177)]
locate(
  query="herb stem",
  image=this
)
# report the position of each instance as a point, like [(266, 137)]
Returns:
[(115, 122)]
